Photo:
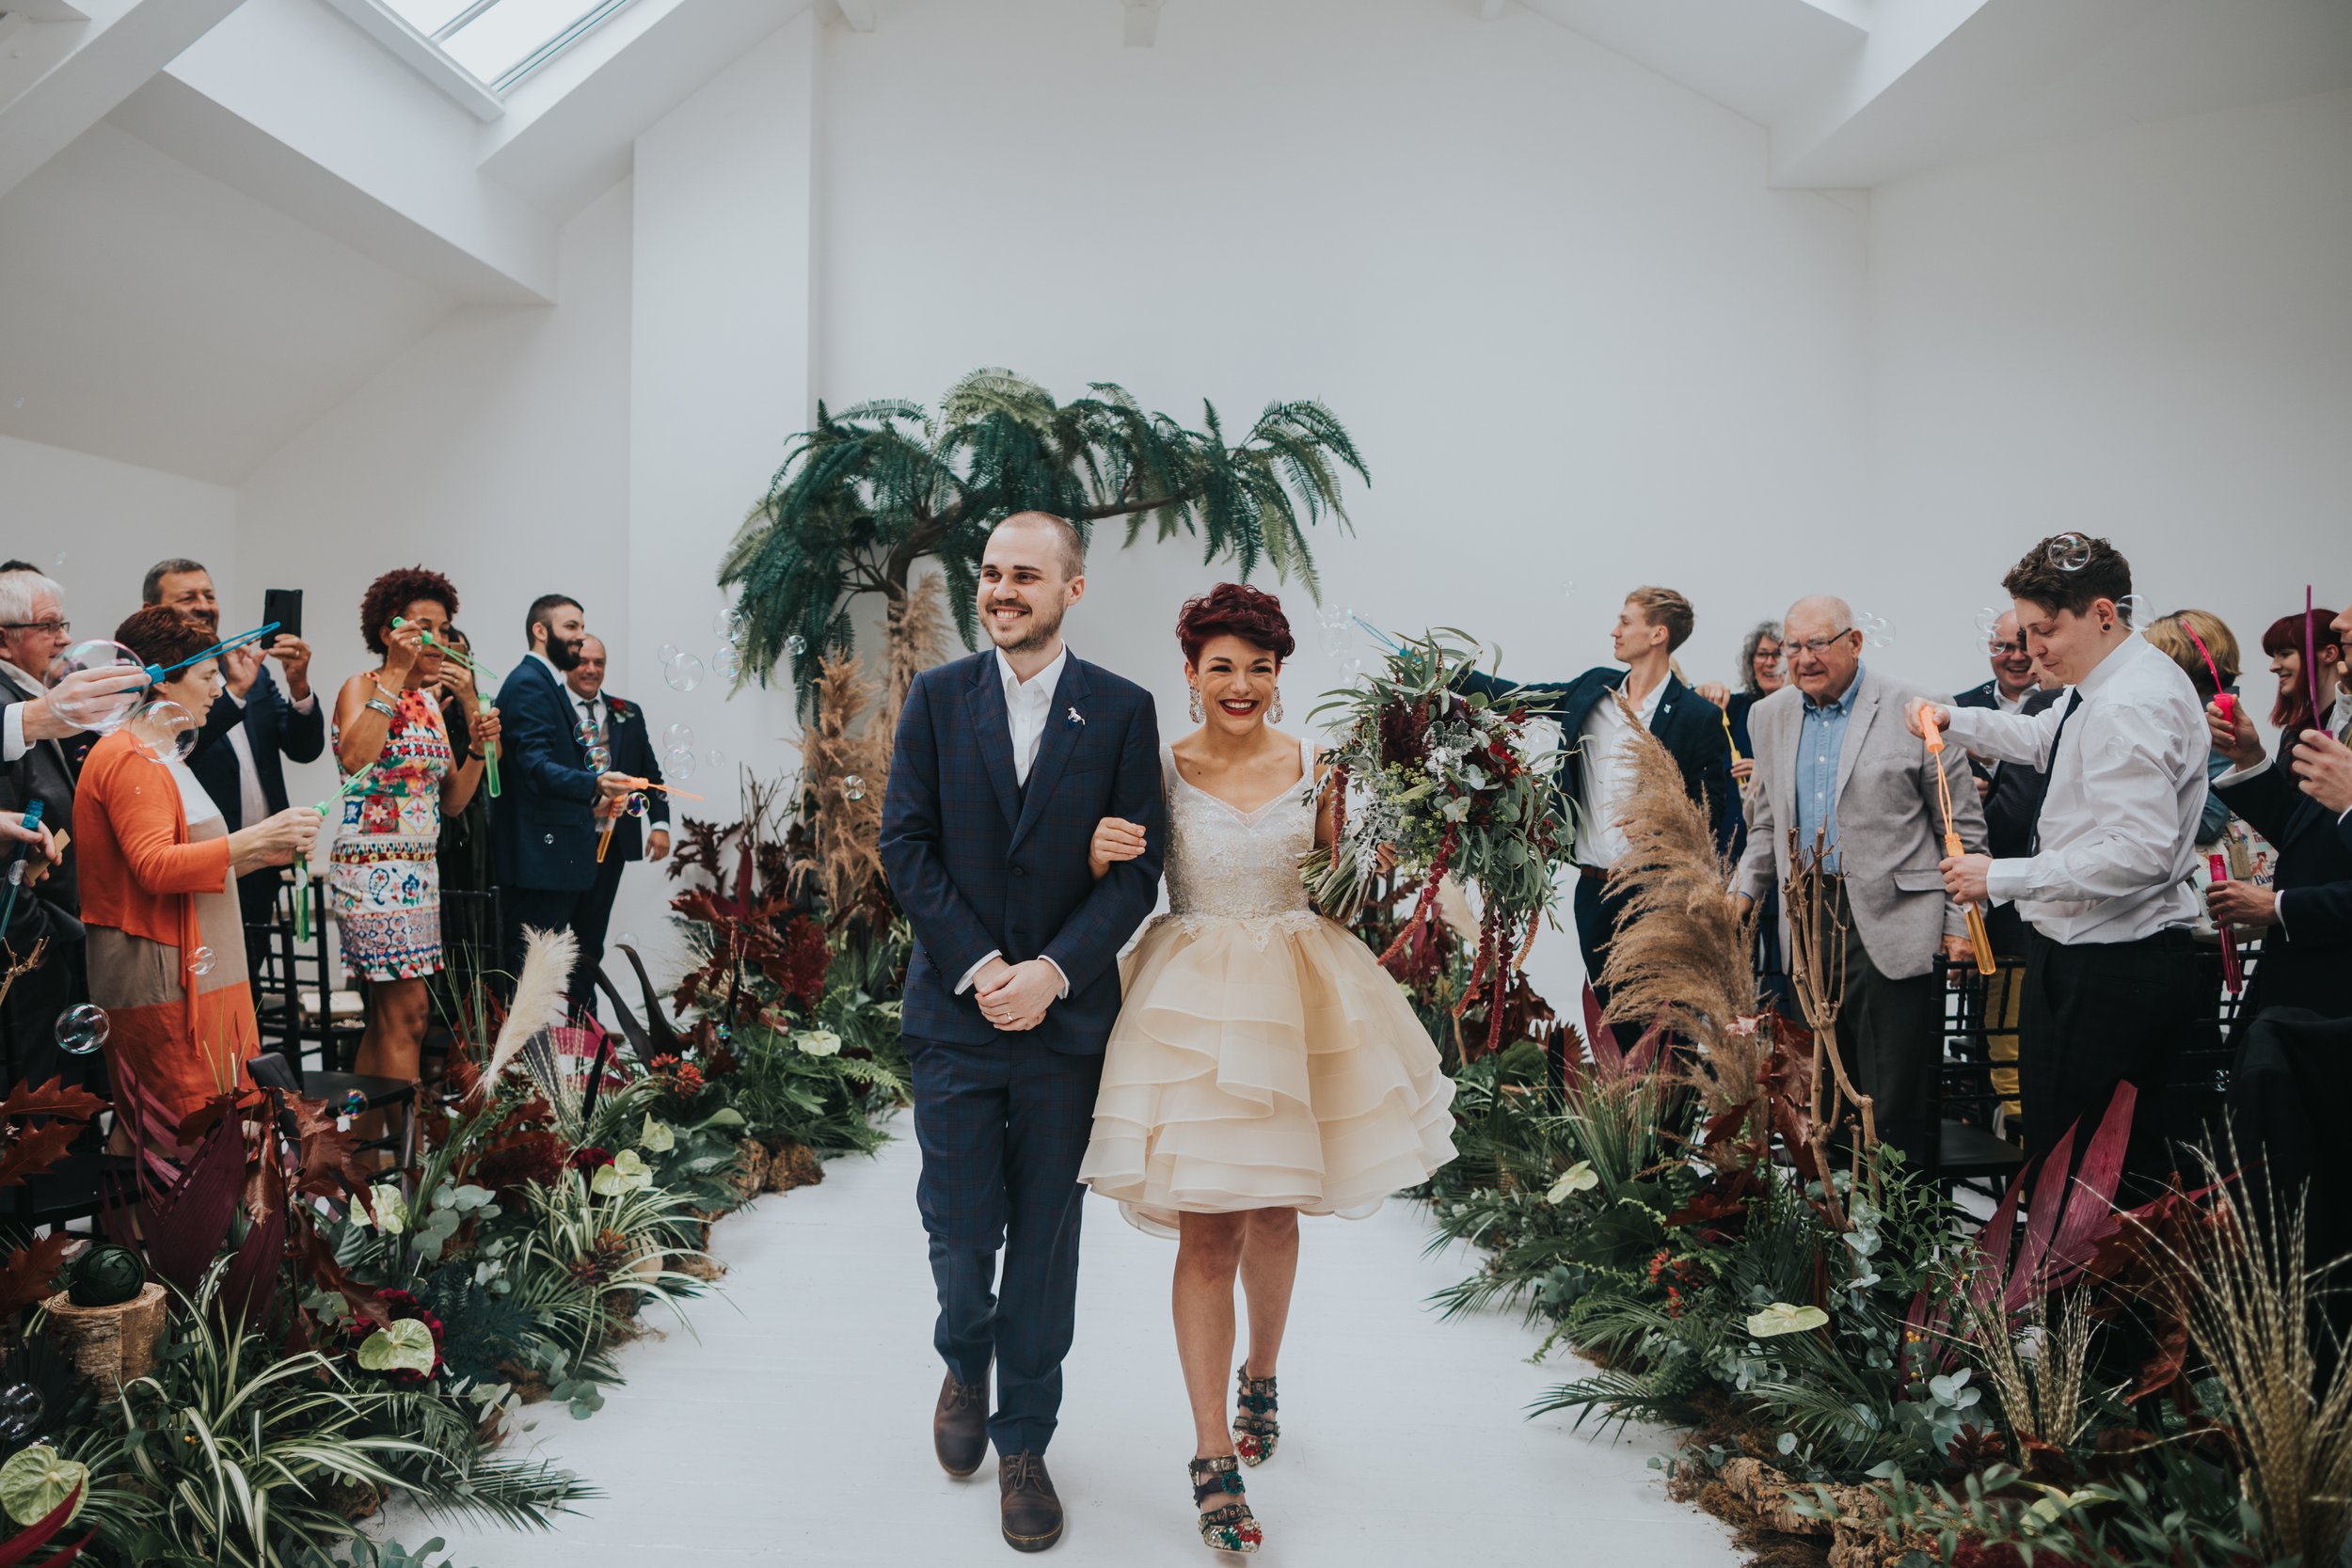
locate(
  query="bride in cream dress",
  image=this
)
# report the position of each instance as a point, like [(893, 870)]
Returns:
[(1264, 1065)]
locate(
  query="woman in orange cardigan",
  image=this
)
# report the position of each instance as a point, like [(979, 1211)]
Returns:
[(159, 893)]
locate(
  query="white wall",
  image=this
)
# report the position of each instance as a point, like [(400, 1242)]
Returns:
[(496, 450), (2145, 334), (96, 525)]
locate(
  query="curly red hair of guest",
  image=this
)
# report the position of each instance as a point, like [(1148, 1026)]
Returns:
[(393, 593), (1236, 609)]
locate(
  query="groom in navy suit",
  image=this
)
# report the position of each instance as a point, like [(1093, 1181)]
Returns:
[(545, 823), (1004, 764)]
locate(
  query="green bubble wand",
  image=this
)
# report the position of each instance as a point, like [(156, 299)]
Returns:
[(471, 666), (302, 863)]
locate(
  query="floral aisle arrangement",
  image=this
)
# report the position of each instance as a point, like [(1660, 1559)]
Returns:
[(1875, 1377), (1451, 785)]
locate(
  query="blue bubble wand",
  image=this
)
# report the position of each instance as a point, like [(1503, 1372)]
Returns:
[(157, 672)]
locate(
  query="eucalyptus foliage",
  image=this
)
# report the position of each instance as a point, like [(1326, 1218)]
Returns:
[(877, 488)]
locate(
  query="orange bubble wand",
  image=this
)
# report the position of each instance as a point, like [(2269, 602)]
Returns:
[(1727, 739), (1978, 936)]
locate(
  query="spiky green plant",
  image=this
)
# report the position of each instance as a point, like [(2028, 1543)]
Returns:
[(874, 488)]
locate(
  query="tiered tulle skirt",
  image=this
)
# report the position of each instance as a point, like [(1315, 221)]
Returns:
[(1258, 1063)]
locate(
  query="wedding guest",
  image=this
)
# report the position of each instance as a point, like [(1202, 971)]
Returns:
[(41, 981), (470, 939), (620, 728), (1834, 762), (1652, 624), (2011, 793), (167, 939), (2170, 635), (383, 877), (2304, 914), (2111, 993), (1760, 675), (33, 632), (241, 755), (547, 820), (2285, 643)]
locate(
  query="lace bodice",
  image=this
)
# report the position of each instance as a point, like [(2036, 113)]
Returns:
[(1225, 864)]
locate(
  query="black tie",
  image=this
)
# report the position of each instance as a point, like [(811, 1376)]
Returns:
[(2073, 701)]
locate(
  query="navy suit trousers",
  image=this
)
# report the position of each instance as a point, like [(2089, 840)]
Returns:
[(1002, 1128)]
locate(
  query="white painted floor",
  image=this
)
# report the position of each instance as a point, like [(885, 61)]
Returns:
[(793, 1425)]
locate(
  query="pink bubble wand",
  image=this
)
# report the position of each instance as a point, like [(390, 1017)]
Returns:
[(2233, 971), (2221, 699)]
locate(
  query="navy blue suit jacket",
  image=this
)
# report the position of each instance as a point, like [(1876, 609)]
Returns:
[(625, 731), (978, 863), (1690, 726), (274, 728), (543, 832), (2304, 957)]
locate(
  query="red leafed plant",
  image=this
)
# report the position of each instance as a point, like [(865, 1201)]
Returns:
[(42, 1123), (19, 1548)]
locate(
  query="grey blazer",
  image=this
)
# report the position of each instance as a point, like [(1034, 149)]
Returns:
[(1890, 828)]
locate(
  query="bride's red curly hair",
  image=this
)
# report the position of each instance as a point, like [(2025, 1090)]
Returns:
[(1236, 609)]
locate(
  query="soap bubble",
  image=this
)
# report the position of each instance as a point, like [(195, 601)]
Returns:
[(1877, 631), (57, 561), (678, 738), (724, 623), (2135, 610), (1351, 669), (200, 962), (796, 644), (22, 1407), (679, 766), (626, 938), (164, 731), (718, 759), (81, 1030), (684, 673), (635, 805), (1987, 619), (853, 785), (96, 662), (2070, 552), (726, 662), (669, 652)]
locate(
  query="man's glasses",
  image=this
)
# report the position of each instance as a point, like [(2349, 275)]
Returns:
[(55, 628), (2002, 650), (1817, 646)]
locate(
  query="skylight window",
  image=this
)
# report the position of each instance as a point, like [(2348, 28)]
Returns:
[(498, 42)]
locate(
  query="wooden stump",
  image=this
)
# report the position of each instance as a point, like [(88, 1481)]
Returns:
[(793, 1165), (108, 1346), (748, 1174)]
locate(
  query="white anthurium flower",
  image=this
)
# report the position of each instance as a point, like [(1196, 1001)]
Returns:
[(818, 1042), (1457, 809), (625, 1174), (1578, 1178), (390, 1210), (1780, 1318), (656, 1137)]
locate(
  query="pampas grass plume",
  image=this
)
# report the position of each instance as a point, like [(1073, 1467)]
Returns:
[(539, 1003)]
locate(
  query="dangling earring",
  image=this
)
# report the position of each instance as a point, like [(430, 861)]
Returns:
[(1198, 715), (1277, 714)]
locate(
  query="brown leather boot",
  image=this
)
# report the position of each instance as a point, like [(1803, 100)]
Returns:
[(1032, 1513), (960, 1426)]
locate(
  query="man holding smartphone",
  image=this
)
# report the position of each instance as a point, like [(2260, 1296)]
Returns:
[(241, 753)]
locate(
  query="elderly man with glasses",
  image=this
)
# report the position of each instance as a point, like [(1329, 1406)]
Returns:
[(1834, 763)]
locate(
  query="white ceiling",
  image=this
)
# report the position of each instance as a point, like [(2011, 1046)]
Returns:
[(193, 322)]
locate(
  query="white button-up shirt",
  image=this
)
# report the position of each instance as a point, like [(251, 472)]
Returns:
[(1608, 775), (1027, 705), (2127, 788)]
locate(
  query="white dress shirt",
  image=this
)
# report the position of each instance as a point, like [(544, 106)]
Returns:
[(2118, 837), (252, 805), (1027, 705), (1608, 776)]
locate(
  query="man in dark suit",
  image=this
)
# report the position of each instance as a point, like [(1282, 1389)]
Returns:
[(621, 727), (558, 787), (1653, 622), (251, 734), (1004, 765), (2011, 791)]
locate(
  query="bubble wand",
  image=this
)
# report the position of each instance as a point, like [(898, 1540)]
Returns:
[(2232, 969), (1978, 936), (157, 672), (467, 662), (2311, 661), (2221, 699), (1727, 739), (16, 865), (302, 863)]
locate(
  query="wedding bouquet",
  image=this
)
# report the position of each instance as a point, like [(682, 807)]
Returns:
[(1453, 785)]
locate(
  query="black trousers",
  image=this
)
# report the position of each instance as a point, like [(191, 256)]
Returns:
[(257, 905), (1891, 1034), (590, 922), (1596, 926), (1002, 1129), (2098, 1014)]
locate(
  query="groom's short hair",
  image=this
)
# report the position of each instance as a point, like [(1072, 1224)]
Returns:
[(1066, 535)]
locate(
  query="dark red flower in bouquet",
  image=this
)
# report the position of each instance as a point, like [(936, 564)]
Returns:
[(588, 1158), (798, 971), (532, 1156), (1404, 734), (688, 1080)]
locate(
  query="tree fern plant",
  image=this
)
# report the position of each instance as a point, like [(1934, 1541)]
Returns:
[(874, 488)]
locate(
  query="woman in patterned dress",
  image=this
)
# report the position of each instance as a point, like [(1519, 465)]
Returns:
[(384, 884)]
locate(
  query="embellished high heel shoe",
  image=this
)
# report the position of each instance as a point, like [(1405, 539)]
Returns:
[(1255, 1430), (1230, 1526)]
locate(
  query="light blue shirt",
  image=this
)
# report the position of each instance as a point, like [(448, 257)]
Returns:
[(1821, 736)]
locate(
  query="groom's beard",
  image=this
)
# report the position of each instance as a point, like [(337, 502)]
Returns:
[(1036, 631), (563, 653)]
